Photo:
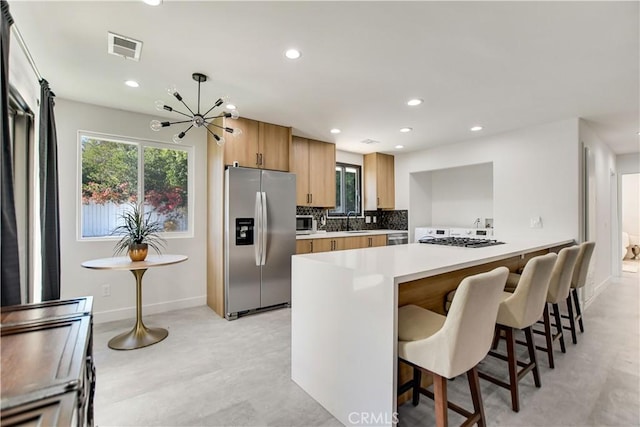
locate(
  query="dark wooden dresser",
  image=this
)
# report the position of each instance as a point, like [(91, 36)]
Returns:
[(48, 375)]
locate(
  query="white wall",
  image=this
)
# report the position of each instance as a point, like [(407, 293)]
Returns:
[(628, 163), (630, 202), (420, 189), (350, 158), (603, 218), (460, 195), (164, 288), (535, 173)]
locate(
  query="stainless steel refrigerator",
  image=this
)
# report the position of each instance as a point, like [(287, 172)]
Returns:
[(260, 238)]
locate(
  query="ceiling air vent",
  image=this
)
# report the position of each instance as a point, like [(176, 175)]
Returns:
[(124, 46), (370, 141)]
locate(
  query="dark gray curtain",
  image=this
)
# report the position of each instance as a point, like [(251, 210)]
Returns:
[(49, 212), (9, 243)]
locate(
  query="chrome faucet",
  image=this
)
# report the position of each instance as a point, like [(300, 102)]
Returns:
[(348, 215)]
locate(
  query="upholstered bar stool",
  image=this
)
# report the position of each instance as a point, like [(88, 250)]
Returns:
[(446, 347), (559, 285), (578, 281), (520, 310)]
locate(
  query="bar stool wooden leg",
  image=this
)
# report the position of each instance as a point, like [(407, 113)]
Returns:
[(556, 315), (532, 356), (496, 338), (576, 300), (440, 397), (513, 369), (547, 335), (417, 379), (474, 385), (572, 321)]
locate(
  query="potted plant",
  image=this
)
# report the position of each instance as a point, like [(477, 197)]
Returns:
[(138, 233)]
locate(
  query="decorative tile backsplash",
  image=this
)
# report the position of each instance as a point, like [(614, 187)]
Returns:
[(392, 220)]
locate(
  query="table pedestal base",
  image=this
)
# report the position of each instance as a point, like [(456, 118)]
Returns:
[(140, 336)]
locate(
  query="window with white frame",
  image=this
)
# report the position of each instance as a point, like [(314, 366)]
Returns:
[(115, 171), (348, 184)]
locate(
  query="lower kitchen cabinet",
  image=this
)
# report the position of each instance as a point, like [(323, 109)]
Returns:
[(308, 246)]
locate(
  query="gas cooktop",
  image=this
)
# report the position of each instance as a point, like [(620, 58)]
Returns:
[(463, 242)]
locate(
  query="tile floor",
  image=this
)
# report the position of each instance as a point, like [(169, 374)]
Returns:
[(211, 372)]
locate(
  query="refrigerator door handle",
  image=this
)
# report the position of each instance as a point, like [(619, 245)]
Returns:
[(264, 229), (257, 230)]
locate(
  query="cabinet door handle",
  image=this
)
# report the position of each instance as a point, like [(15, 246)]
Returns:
[(370, 242), (311, 197), (378, 201), (311, 246), (257, 160), (307, 197), (260, 159)]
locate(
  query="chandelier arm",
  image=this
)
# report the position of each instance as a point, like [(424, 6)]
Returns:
[(218, 103), (226, 115), (182, 121), (216, 137), (187, 130), (180, 112), (185, 104)]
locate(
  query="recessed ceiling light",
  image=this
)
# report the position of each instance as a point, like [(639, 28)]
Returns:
[(476, 128), (334, 130), (399, 147), (153, 2), (405, 130), (131, 83), (230, 107), (414, 102), (293, 54)]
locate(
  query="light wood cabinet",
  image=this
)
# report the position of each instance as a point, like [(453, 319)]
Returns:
[(261, 145), (314, 163), (379, 181), (308, 246)]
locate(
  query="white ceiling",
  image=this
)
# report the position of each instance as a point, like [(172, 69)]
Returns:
[(503, 65)]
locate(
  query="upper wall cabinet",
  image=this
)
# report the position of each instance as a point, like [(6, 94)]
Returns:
[(379, 182), (314, 163), (261, 145)]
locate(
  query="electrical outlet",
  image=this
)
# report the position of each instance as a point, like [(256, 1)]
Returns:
[(535, 222), (367, 219), (106, 290), (374, 220)]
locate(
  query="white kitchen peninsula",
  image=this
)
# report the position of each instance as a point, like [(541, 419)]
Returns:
[(344, 317)]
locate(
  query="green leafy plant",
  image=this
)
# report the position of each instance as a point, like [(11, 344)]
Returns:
[(138, 229)]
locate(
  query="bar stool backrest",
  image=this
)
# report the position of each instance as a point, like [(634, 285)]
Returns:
[(525, 306), (582, 264), (560, 281), (471, 320)]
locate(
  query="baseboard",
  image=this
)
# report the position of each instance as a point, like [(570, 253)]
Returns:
[(130, 312), (597, 291)]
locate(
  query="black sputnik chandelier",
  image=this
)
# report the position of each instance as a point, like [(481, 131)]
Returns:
[(197, 119)]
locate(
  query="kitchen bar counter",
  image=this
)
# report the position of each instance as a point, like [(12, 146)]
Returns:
[(335, 234), (344, 316)]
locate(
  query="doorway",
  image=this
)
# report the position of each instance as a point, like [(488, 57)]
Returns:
[(630, 224)]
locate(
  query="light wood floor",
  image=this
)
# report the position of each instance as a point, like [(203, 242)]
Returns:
[(211, 372)]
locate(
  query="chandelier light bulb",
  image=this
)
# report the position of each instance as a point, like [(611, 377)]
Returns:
[(235, 114), (237, 132), (173, 91), (156, 125), (177, 138), (219, 140), (160, 105)]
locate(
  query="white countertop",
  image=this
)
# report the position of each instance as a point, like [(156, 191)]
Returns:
[(416, 260), (333, 234)]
